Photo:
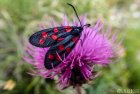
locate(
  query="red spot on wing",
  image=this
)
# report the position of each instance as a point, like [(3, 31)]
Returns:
[(43, 37), (68, 28), (44, 34), (54, 37), (41, 41), (55, 30), (61, 47), (68, 49), (51, 57), (75, 39), (60, 39)]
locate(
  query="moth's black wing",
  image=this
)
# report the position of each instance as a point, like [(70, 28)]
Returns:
[(48, 37), (59, 51)]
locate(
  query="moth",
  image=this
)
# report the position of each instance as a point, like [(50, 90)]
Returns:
[(60, 40)]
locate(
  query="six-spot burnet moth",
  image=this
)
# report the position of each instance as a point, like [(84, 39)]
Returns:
[(61, 41)]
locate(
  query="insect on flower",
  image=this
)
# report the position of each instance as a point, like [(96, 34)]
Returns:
[(60, 40)]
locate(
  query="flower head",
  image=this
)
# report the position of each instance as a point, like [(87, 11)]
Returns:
[(94, 47)]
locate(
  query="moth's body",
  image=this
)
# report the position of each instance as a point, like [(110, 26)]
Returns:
[(60, 40)]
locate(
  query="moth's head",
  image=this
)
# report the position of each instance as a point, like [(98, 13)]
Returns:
[(77, 30), (80, 28)]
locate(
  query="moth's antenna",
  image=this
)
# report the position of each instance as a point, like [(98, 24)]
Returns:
[(75, 13)]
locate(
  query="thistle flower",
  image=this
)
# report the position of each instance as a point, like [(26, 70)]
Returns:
[(94, 47)]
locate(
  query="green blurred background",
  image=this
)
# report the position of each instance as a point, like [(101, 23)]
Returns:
[(20, 18)]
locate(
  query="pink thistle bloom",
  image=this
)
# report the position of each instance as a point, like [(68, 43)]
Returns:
[(94, 47)]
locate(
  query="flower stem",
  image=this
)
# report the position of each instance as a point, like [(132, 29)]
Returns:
[(79, 90)]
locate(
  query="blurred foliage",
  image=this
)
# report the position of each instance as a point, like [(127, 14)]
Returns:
[(19, 18)]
